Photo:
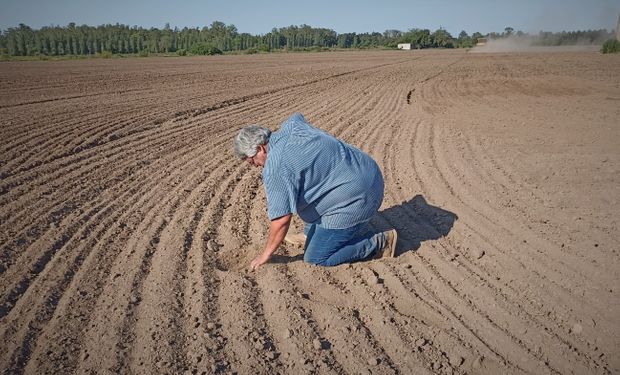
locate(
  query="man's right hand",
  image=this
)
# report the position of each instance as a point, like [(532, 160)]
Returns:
[(259, 261), (277, 230)]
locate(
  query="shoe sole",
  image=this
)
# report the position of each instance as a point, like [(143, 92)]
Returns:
[(393, 247), (392, 251)]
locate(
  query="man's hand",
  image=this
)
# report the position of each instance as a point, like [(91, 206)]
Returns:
[(259, 261), (277, 230)]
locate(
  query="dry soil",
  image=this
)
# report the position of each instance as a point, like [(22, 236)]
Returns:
[(127, 225)]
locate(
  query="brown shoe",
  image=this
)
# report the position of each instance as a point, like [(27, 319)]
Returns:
[(389, 249), (295, 239)]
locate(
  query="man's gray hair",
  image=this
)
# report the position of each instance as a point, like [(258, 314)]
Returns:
[(248, 140)]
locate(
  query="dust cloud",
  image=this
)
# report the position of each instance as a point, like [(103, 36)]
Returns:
[(527, 43)]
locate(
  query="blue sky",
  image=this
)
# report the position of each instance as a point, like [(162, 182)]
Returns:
[(259, 17)]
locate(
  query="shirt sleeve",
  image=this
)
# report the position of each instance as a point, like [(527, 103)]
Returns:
[(281, 195)]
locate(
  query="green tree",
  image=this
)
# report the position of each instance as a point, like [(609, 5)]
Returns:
[(442, 39), (464, 41), (3, 43)]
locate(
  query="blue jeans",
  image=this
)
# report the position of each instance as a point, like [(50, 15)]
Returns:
[(331, 247)]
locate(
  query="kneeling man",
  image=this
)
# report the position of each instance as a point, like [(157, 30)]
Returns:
[(334, 187)]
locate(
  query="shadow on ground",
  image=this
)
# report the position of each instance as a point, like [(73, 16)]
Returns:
[(277, 258), (416, 221)]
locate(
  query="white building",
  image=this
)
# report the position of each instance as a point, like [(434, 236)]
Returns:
[(404, 45)]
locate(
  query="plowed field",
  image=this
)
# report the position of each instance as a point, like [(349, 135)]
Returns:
[(127, 225)]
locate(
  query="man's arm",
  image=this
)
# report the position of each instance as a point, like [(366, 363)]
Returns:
[(277, 231)]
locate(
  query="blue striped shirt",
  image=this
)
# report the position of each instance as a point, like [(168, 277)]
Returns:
[(322, 179)]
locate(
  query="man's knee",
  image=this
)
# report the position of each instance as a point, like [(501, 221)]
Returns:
[(308, 258), (325, 262)]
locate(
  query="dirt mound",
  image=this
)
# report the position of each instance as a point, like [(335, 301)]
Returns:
[(127, 225)]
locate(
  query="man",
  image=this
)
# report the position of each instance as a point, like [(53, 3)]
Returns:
[(334, 187)]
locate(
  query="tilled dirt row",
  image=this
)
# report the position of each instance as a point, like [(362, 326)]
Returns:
[(127, 226)]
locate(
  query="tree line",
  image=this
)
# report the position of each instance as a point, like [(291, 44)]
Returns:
[(220, 37)]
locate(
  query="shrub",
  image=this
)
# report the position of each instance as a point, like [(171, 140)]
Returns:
[(319, 49), (143, 53), (251, 51), (214, 51), (205, 49), (105, 54), (611, 46), (182, 52)]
